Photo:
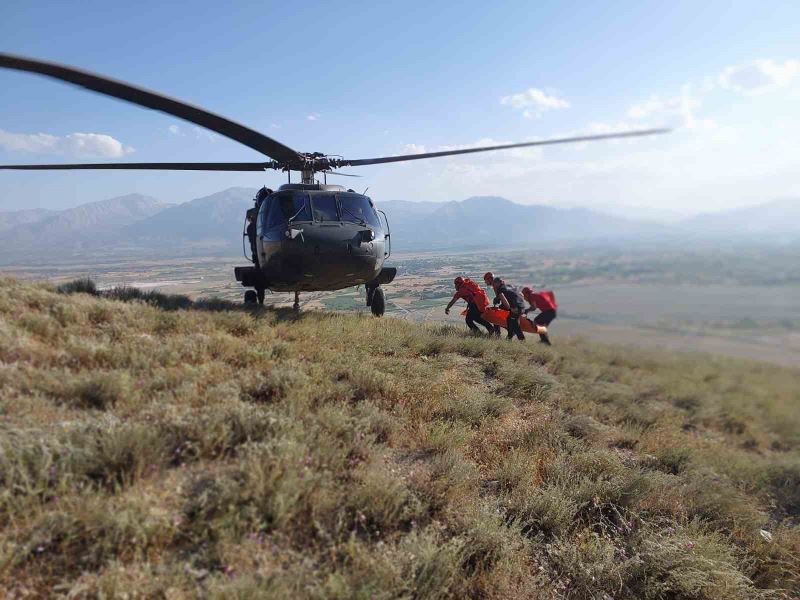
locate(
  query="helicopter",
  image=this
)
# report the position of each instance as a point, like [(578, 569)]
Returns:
[(306, 236)]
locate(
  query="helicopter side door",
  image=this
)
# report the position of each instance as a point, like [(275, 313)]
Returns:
[(277, 211)]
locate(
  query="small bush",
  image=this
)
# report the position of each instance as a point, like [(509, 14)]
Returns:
[(78, 286)]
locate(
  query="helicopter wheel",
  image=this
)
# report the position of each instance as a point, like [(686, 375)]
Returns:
[(378, 302), (250, 297)]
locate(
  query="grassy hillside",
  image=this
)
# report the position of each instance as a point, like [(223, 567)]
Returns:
[(163, 449)]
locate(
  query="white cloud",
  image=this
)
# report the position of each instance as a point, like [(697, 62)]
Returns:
[(312, 117), (674, 110), (82, 145), (759, 76), (657, 106), (201, 133), (412, 149), (174, 130), (533, 102)]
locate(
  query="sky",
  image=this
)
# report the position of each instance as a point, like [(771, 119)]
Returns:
[(365, 79)]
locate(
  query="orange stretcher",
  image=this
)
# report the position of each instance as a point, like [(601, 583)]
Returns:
[(499, 316)]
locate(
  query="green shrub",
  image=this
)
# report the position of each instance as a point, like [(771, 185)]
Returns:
[(79, 286)]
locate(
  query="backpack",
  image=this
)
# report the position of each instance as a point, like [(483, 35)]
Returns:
[(551, 297), (514, 297), (479, 297)]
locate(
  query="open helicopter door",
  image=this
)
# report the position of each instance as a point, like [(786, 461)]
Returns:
[(387, 236)]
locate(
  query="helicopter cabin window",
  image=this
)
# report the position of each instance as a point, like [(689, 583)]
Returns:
[(286, 206), (358, 209), (324, 206)]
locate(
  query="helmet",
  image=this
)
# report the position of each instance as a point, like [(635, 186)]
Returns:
[(458, 281), (263, 193), (488, 277)]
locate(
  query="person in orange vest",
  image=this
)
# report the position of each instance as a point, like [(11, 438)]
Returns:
[(477, 302), (545, 303)]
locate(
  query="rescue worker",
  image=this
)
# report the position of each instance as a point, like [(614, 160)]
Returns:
[(545, 303), (511, 300), (488, 278), (252, 219), (477, 302)]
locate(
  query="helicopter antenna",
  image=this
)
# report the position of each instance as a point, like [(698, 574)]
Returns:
[(365, 191)]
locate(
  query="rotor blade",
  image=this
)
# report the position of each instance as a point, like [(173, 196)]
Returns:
[(340, 174), (147, 166), (142, 97), (569, 140)]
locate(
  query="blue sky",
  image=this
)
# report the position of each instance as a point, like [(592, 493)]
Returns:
[(371, 79)]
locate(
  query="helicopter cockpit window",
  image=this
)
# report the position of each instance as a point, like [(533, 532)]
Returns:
[(358, 209), (292, 205), (324, 206)]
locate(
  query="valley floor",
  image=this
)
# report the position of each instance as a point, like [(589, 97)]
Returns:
[(153, 447), (741, 303)]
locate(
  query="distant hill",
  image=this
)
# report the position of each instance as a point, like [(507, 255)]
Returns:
[(485, 221), (78, 228), (13, 219), (216, 219), (777, 218), (213, 224)]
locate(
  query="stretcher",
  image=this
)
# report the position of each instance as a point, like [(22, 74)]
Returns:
[(499, 316)]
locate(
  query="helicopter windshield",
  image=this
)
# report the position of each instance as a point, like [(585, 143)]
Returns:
[(358, 209), (324, 206), (288, 206)]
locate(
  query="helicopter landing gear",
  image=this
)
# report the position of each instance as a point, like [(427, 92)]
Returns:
[(296, 305), (256, 295), (376, 300)]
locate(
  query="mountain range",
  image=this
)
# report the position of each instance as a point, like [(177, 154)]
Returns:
[(214, 224)]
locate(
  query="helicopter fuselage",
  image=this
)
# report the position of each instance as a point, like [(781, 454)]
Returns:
[(313, 237)]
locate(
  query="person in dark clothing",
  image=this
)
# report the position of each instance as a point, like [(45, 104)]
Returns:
[(511, 300), (252, 219), (488, 278), (252, 215), (545, 302), (476, 300)]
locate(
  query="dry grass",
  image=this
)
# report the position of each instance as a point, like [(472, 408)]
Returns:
[(152, 447)]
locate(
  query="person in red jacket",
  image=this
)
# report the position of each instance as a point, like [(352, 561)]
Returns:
[(545, 303), (477, 302)]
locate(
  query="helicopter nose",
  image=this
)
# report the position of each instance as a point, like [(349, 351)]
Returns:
[(317, 250)]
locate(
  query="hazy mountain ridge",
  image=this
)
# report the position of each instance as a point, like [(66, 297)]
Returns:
[(78, 227), (141, 223), (218, 218), (12, 219), (777, 217)]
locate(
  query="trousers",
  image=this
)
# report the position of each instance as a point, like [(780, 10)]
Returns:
[(512, 325), (474, 316)]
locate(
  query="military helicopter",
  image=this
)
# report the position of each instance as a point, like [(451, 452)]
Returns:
[(306, 236)]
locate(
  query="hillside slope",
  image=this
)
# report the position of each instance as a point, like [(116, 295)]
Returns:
[(157, 448)]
